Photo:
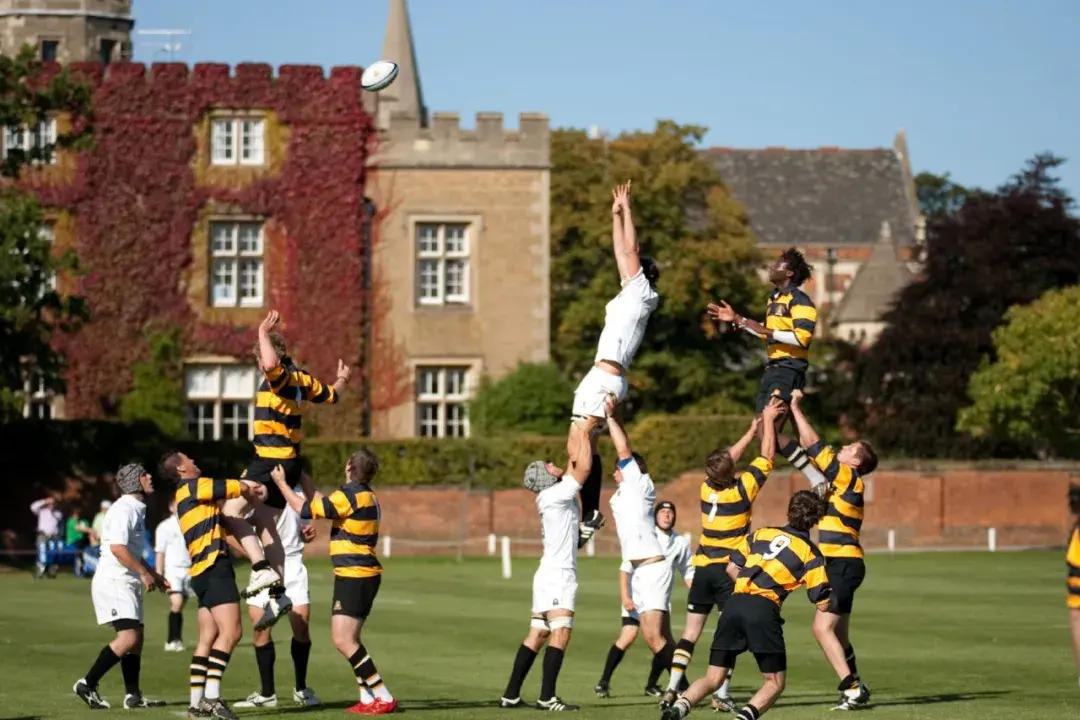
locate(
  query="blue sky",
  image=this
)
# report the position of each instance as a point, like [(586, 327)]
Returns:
[(979, 85)]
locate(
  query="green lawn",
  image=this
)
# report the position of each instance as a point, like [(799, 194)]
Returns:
[(939, 635)]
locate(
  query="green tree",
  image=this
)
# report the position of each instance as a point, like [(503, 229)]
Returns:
[(938, 194), (32, 309), (1000, 249), (700, 238), (534, 399), (1029, 394), (157, 388)]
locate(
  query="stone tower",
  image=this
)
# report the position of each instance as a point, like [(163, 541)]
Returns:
[(68, 31)]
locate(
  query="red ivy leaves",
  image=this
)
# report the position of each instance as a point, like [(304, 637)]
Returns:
[(136, 203)]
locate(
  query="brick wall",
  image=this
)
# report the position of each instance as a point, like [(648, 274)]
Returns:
[(949, 507)]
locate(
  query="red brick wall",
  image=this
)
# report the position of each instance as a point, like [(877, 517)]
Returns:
[(933, 508)]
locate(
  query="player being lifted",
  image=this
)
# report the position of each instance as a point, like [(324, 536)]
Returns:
[(625, 319), (678, 555), (842, 475), (283, 395), (555, 582), (770, 565), (726, 504)]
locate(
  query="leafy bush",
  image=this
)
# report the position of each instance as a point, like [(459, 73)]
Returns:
[(534, 399)]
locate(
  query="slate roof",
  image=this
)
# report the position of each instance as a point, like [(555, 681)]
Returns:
[(824, 197), (878, 281)]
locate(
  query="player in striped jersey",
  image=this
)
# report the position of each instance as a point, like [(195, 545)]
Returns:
[(770, 565), (726, 503), (1072, 560), (839, 541), (355, 513), (198, 505)]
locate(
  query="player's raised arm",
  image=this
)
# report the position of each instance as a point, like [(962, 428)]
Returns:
[(736, 450), (579, 448), (268, 357), (623, 234), (768, 427), (807, 435), (615, 430)]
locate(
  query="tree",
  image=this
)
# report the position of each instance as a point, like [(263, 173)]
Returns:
[(938, 194), (531, 400), (686, 220), (157, 387), (998, 250), (32, 309), (1029, 394)]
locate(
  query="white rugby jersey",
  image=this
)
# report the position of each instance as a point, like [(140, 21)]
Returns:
[(288, 527), (677, 553), (125, 524), (169, 539), (625, 319), (559, 518), (632, 505)]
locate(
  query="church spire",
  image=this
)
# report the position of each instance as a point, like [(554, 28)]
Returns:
[(404, 96)]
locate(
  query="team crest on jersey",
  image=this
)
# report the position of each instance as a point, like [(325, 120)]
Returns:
[(337, 604)]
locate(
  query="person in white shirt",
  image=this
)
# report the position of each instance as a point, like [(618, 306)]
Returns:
[(49, 518), (632, 505), (171, 560), (625, 319), (117, 590), (294, 532), (679, 556), (555, 581)]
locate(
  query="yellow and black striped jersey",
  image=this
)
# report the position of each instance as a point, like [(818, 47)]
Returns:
[(839, 529), (790, 310), (279, 409), (1072, 559), (200, 519), (355, 512), (725, 514), (777, 561)]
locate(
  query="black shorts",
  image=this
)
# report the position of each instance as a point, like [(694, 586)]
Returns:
[(710, 586), (353, 597), (259, 471), (779, 380), (845, 577), (216, 585), (750, 622)]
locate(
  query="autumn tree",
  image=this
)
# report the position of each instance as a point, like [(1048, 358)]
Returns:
[(1029, 394), (699, 236), (32, 308), (997, 250)]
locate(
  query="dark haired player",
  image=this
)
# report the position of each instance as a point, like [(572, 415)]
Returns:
[(771, 564), (626, 317), (1072, 560), (839, 541), (726, 503)]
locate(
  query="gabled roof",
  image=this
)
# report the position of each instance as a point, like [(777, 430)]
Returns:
[(824, 197), (881, 277)]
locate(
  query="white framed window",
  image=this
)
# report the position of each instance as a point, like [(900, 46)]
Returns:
[(238, 141), (38, 403), (221, 401), (47, 232), (442, 263), (236, 264), (442, 394), (41, 135)]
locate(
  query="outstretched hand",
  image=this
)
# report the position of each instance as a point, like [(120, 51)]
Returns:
[(269, 322), (343, 371), (620, 198), (721, 312), (796, 396)]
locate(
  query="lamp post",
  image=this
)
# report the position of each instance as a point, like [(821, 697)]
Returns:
[(830, 280)]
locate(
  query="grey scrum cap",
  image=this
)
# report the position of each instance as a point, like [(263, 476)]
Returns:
[(537, 477), (128, 478)]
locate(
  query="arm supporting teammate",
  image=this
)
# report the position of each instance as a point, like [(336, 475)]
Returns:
[(736, 450), (618, 435)]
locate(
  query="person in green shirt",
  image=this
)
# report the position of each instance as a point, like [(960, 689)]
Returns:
[(76, 537)]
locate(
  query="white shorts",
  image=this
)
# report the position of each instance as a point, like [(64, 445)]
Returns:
[(592, 392), (179, 581), (296, 584), (650, 588), (554, 589), (116, 599)]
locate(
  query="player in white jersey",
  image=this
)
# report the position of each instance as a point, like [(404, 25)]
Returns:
[(678, 554), (555, 581), (625, 319), (173, 562), (294, 532), (117, 590)]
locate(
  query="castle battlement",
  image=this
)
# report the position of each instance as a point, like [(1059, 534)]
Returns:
[(170, 76), (446, 144)]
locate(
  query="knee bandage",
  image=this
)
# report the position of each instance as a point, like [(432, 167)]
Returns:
[(563, 621), (538, 623)]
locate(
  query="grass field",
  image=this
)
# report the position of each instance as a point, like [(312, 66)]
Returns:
[(938, 635)]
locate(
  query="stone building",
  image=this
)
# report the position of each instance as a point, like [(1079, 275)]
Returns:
[(68, 30), (849, 211)]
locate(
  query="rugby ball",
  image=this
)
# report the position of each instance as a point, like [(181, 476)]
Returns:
[(379, 75)]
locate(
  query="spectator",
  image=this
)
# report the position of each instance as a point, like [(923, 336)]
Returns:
[(77, 534), (48, 533)]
